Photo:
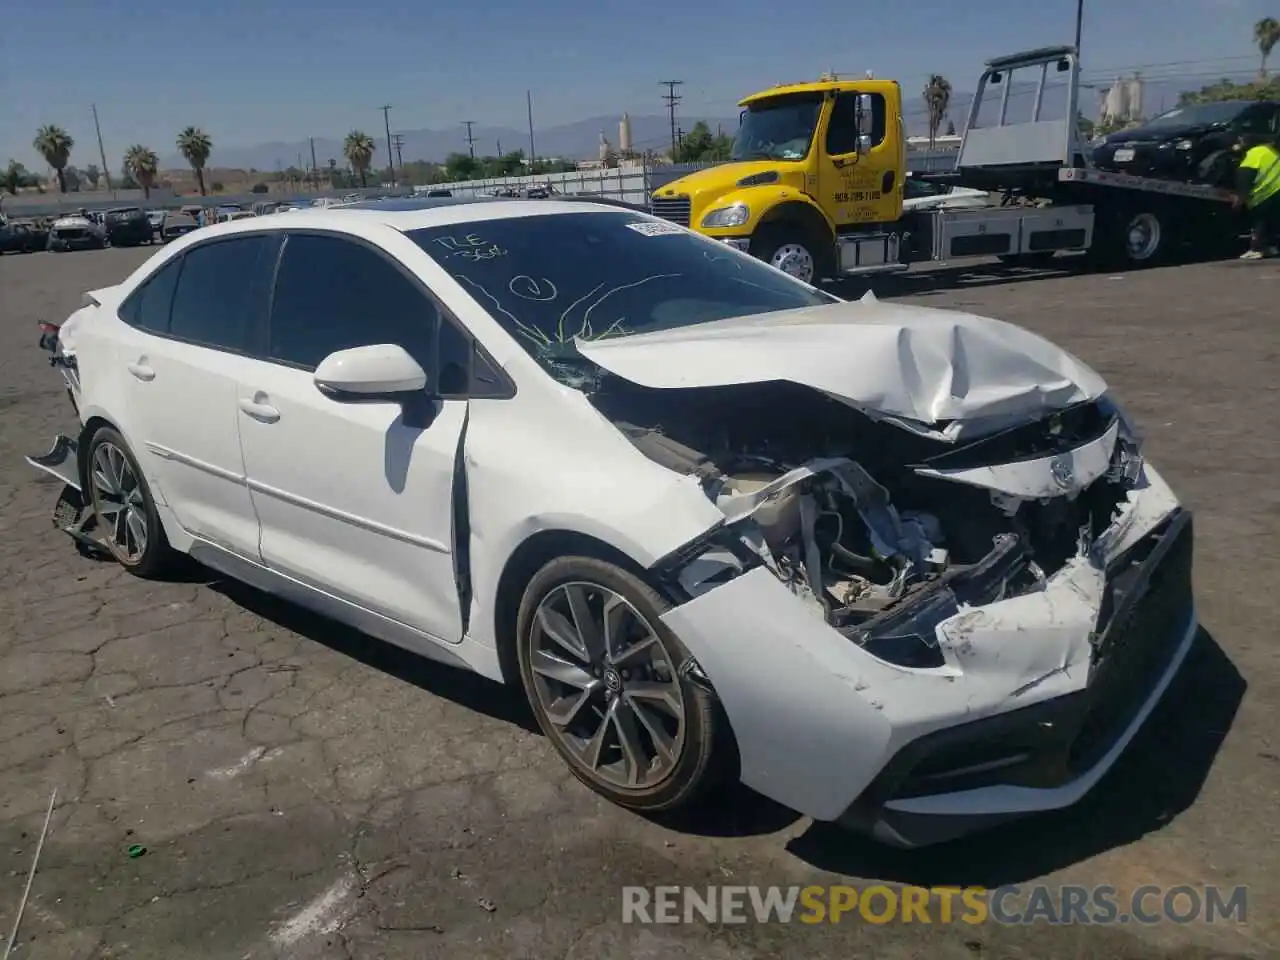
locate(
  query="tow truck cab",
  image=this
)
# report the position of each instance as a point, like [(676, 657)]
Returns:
[(815, 185), (811, 161)]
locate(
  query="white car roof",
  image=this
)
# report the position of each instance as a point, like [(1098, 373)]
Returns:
[(406, 215)]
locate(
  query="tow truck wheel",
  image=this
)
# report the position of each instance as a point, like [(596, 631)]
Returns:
[(789, 249), (1134, 238)]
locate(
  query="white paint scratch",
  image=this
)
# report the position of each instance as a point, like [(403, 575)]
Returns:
[(321, 916), (240, 766)]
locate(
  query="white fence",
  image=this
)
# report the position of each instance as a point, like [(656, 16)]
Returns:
[(632, 184)]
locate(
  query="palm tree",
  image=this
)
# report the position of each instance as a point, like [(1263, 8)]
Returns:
[(359, 148), (142, 164), (194, 144), (1266, 33), (54, 144), (937, 98)]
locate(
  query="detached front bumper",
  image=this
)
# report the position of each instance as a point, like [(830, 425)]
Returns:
[(1040, 693)]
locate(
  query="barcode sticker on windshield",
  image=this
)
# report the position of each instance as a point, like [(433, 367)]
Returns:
[(655, 228)]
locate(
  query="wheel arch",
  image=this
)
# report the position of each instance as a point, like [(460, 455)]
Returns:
[(534, 552), (808, 216)]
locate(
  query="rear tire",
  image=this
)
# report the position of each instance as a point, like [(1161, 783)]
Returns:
[(125, 509), (603, 676), (1133, 238)]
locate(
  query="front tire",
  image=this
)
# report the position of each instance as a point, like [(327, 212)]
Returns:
[(789, 248), (125, 510), (603, 676)]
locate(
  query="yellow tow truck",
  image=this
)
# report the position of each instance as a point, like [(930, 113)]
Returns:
[(816, 182)]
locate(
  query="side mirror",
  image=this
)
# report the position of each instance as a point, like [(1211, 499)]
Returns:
[(864, 112), (379, 373)]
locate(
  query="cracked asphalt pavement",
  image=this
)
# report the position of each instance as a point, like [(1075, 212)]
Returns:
[(303, 792)]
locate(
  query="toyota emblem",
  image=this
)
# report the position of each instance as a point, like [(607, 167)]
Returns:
[(1062, 470)]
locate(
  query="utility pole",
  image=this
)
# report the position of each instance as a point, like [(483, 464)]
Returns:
[(1079, 23), (528, 99), (672, 98), (398, 140), (315, 170), (499, 148), (471, 141), (102, 154), (386, 122)]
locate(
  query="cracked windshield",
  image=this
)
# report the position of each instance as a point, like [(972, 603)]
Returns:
[(551, 280), (777, 129)]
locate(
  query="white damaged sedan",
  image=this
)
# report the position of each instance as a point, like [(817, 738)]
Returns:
[(905, 569)]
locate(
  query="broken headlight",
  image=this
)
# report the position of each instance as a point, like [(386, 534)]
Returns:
[(1127, 461)]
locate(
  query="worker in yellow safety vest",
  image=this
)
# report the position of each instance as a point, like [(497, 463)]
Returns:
[(1258, 189)]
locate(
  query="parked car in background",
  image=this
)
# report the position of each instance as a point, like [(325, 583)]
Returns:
[(177, 224), (22, 236), (128, 227), (76, 232), (1197, 143), (439, 192), (238, 215)]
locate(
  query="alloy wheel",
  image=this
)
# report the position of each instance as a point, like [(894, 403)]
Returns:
[(607, 684), (119, 502), (794, 259)]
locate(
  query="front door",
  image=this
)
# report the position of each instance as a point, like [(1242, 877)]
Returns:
[(352, 500), (192, 326), (855, 189)]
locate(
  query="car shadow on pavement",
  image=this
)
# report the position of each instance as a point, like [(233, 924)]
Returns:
[(463, 687), (1158, 776)]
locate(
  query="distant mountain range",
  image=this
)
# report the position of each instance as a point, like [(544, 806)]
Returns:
[(581, 140), (578, 140)]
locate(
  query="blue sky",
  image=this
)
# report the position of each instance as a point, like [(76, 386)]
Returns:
[(249, 71)]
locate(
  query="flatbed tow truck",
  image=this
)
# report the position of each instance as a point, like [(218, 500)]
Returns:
[(816, 185)]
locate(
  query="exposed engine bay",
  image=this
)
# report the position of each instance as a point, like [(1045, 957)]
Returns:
[(862, 518)]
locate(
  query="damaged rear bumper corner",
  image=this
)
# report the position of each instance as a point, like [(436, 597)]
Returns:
[(1023, 718)]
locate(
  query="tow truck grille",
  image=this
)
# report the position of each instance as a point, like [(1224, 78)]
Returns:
[(675, 209)]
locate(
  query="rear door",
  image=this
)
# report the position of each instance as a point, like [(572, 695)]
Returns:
[(352, 500), (193, 330)]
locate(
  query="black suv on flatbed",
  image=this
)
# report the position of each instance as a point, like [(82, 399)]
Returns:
[(128, 227)]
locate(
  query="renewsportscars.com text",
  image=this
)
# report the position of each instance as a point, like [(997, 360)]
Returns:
[(881, 904)]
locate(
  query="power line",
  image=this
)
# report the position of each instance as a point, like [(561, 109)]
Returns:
[(386, 121), (471, 141), (672, 98)]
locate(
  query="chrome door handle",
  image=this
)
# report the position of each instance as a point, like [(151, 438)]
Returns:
[(259, 411), (142, 372)]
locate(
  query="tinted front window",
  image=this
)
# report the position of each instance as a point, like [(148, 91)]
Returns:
[(550, 279), (221, 296), (842, 129), (778, 129), (333, 293)]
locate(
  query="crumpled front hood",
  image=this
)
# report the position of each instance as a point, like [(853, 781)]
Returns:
[(71, 223), (902, 362)]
